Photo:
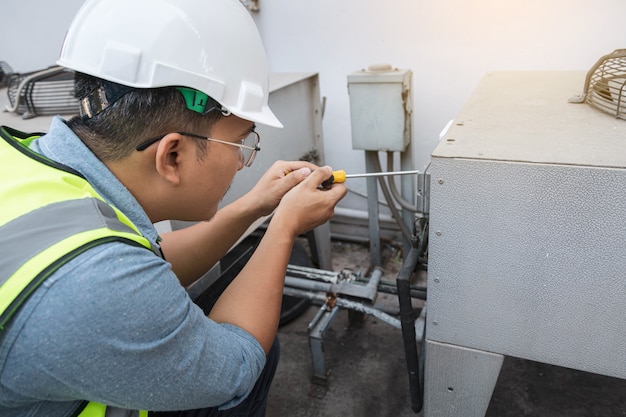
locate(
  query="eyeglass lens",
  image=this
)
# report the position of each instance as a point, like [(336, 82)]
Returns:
[(251, 141)]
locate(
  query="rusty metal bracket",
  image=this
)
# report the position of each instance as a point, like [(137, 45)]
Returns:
[(252, 5)]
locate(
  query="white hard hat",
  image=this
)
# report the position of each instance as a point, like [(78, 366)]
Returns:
[(212, 46)]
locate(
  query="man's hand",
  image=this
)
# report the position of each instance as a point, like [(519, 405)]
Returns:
[(281, 177), (308, 205)]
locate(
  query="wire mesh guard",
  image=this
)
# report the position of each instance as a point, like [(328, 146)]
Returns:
[(5, 71), (605, 85), (39, 93)]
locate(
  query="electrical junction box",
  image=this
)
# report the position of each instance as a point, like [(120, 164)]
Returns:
[(380, 108)]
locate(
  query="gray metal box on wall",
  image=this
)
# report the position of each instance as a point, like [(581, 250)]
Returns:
[(527, 248), (380, 108)]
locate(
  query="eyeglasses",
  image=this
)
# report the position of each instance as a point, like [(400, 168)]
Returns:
[(248, 146)]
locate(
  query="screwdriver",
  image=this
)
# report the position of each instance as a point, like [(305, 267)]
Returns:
[(340, 176)]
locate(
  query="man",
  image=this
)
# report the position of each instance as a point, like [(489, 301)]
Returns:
[(95, 321)]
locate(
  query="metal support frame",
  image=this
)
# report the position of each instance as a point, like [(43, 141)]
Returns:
[(317, 328), (373, 209)]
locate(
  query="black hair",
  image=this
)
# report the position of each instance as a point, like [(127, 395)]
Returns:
[(132, 116)]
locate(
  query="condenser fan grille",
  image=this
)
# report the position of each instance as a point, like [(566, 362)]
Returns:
[(605, 85), (45, 92)]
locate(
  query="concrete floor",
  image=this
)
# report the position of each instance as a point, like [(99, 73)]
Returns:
[(367, 372), (368, 376)]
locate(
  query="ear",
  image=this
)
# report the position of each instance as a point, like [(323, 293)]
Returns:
[(168, 157)]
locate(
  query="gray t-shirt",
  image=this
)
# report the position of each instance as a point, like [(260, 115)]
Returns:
[(115, 326)]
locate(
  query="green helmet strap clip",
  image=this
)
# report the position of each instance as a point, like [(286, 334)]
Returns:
[(199, 102)]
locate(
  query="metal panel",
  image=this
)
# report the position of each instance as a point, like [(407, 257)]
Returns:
[(528, 260), (525, 116), (459, 381)]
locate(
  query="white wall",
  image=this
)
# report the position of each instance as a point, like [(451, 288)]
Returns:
[(32, 31), (448, 44)]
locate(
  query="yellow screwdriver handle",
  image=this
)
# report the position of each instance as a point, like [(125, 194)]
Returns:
[(337, 177)]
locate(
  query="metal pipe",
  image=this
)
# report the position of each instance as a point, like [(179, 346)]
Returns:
[(374, 280), (394, 190), (407, 319), (307, 284), (312, 273), (346, 304), (385, 189)]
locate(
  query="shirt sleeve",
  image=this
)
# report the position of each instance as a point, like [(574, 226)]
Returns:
[(115, 326)]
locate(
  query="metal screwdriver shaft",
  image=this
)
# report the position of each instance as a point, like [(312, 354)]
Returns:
[(381, 174), (340, 175)]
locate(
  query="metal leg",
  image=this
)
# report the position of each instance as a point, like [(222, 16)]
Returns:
[(319, 242), (373, 210), (318, 326), (459, 381)]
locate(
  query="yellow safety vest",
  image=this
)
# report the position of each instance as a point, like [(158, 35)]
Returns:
[(49, 214)]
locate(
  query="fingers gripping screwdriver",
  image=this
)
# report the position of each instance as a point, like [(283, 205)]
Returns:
[(340, 176)]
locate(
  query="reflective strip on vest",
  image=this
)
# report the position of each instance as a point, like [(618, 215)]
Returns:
[(46, 234), (43, 227)]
